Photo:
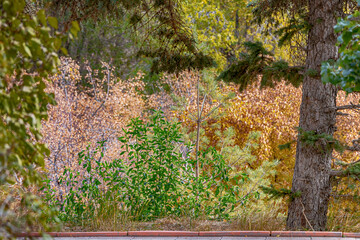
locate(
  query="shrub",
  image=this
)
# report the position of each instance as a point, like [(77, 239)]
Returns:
[(152, 179)]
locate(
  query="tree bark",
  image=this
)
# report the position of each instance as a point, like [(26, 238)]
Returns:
[(313, 165)]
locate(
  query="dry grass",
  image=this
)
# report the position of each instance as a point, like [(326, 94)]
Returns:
[(251, 218), (344, 216), (187, 224), (270, 218)]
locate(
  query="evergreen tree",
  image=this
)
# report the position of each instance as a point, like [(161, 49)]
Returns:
[(158, 26), (315, 19)]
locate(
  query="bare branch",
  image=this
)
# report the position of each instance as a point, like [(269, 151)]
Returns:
[(107, 92), (342, 114), (214, 109), (355, 147), (202, 107), (345, 107)]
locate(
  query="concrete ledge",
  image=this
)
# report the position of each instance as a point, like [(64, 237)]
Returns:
[(75, 234), (91, 234), (197, 234), (234, 233), (351, 235), (305, 234), (34, 234), (162, 234)]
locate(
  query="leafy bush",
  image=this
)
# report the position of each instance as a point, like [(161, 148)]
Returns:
[(152, 179), (344, 72), (29, 44)]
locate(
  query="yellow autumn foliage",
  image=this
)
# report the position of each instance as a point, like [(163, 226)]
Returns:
[(275, 113)]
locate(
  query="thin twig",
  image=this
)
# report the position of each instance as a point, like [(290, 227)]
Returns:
[(214, 109), (303, 212), (107, 93), (202, 106), (197, 131)]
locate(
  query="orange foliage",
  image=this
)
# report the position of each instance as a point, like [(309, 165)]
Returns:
[(275, 112), (348, 127), (272, 111)]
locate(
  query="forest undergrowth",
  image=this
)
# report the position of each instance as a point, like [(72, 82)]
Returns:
[(196, 164)]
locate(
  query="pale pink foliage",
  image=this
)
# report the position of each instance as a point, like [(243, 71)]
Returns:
[(85, 117)]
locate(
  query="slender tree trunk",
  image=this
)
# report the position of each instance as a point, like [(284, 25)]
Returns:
[(198, 124), (313, 163), (237, 25)]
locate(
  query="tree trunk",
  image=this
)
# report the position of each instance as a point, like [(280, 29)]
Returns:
[(313, 163)]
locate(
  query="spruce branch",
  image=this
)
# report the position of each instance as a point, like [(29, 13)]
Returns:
[(345, 196), (279, 193), (322, 141), (338, 173), (258, 61), (352, 169)]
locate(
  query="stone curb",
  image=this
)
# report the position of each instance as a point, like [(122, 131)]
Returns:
[(196, 234), (351, 235), (162, 234), (234, 233), (305, 234)]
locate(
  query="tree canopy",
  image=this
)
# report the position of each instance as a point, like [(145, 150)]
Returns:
[(158, 25)]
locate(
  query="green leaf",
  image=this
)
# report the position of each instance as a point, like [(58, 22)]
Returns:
[(75, 28), (53, 22), (31, 31), (42, 16), (57, 43), (27, 50), (64, 51), (36, 41), (346, 37)]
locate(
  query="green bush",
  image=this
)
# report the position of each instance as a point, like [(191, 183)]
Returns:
[(152, 179)]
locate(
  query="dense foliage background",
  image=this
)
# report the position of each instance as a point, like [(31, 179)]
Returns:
[(129, 99)]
